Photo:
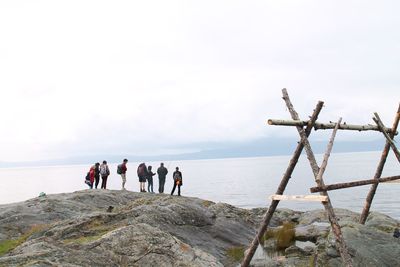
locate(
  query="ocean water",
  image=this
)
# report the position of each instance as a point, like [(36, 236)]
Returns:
[(243, 182)]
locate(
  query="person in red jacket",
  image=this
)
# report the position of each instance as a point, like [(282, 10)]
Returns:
[(92, 173)]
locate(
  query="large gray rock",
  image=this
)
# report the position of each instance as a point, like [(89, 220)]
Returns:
[(142, 230), (145, 229)]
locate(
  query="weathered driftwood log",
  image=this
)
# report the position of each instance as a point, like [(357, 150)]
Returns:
[(378, 172), (318, 179), (346, 258), (323, 126), (299, 197), (378, 122), (282, 186), (353, 184)]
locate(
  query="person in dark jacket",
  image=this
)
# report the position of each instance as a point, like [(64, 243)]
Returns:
[(162, 173), (177, 176), (142, 174), (149, 177), (104, 172), (121, 170), (97, 174)]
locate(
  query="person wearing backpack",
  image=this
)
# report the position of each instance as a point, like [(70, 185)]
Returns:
[(142, 174), (104, 172), (92, 174), (121, 170), (177, 176), (149, 177), (87, 180), (162, 173)]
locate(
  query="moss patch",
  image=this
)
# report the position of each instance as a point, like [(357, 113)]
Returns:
[(284, 235), (84, 239), (270, 233), (141, 202), (207, 203), (10, 244), (91, 231), (235, 254)]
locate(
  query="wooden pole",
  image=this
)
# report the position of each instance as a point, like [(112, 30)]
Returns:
[(299, 198), (388, 138), (327, 155), (285, 179), (353, 184), (324, 126), (346, 258), (378, 172)]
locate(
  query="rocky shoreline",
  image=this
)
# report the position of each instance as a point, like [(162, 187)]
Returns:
[(143, 229)]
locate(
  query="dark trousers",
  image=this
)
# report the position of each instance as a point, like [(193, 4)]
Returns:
[(97, 180), (150, 185), (104, 182), (161, 182), (179, 189)]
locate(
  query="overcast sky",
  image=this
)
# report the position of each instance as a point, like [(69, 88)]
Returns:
[(150, 77)]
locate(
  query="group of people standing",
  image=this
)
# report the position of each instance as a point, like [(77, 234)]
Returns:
[(144, 174), (93, 176)]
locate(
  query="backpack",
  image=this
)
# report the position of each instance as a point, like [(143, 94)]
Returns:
[(177, 176), (141, 168), (119, 169), (87, 179), (104, 170)]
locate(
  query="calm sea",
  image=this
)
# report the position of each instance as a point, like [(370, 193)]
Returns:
[(243, 182)]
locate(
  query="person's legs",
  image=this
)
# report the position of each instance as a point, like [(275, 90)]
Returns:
[(142, 185), (103, 182), (97, 181), (173, 189), (162, 183), (123, 176), (179, 190)]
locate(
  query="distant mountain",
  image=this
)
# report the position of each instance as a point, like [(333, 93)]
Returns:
[(256, 148)]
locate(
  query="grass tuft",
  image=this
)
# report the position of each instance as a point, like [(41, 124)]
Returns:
[(235, 253), (10, 244), (84, 239), (207, 203), (285, 235)]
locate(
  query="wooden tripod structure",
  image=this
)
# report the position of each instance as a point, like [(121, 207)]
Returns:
[(304, 129)]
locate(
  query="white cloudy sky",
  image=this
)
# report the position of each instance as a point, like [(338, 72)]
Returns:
[(146, 77)]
